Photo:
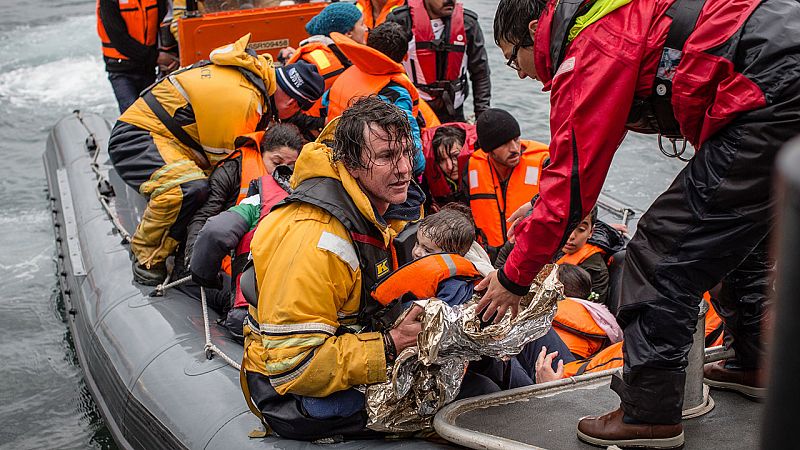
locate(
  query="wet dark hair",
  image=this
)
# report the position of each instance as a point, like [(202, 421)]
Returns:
[(446, 136), (576, 280), (451, 228), (282, 135), (389, 39), (512, 18), (350, 141)]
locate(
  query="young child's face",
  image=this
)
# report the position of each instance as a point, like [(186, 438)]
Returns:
[(424, 246), (578, 237)]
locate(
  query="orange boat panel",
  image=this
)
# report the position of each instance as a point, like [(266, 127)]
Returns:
[(272, 29)]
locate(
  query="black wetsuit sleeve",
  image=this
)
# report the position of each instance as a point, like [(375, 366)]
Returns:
[(223, 185), (477, 64), (218, 237), (117, 32), (597, 268)]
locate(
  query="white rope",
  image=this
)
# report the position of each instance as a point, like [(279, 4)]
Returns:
[(161, 288), (211, 348)]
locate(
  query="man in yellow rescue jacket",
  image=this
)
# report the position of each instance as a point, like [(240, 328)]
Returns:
[(502, 175), (172, 136), (316, 256)]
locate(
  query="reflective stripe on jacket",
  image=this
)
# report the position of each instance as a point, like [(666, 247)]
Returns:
[(493, 202), (142, 21), (421, 278), (577, 329)]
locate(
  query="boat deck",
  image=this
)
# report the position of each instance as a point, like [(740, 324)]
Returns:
[(545, 417)]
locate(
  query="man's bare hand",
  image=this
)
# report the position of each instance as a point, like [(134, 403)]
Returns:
[(515, 217), (167, 63), (544, 367), (496, 299), (405, 333)]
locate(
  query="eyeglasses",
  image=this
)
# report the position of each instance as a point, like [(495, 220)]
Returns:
[(512, 62)]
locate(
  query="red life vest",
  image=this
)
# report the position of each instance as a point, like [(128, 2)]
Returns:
[(581, 255), (422, 56), (270, 193), (433, 174), (421, 278), (491, 205), (371, 71), (141, 21), (578, 330), (608, 358)]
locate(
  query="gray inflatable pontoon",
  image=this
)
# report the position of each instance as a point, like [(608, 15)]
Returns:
[(143, 357)]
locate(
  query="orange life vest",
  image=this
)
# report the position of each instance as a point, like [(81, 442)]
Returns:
[(370, 73), (714, 325), (141, 20), (249, 147), (608, 358), (365, 6), (421, 278), (581, 255), (578, 330), (490, 204), (330, 63)]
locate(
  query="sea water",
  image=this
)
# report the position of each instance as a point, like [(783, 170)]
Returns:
[(50, 64)]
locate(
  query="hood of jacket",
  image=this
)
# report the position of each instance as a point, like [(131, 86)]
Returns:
[(238, 55)]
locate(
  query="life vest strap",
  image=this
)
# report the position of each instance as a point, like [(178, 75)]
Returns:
[(172, 125)]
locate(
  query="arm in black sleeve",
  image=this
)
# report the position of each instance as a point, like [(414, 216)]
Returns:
[(477, 64), (218, 237), (223, 185), (118, 34)]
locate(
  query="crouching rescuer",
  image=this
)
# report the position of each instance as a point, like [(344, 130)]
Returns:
[(166, 143), (316, 333)]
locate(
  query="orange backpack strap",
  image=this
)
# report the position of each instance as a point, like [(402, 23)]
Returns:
[(421, 278)]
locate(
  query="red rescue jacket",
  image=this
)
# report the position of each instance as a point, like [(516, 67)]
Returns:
[(437, 184), (607, 65)]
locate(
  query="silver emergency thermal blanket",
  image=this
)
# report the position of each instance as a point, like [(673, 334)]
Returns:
[(425, 378)]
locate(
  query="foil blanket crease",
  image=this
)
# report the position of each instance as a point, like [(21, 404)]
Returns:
[(425, 378)]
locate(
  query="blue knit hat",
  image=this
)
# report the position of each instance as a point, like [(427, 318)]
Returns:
[(340, 17)]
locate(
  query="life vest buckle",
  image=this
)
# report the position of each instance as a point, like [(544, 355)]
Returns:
[(674, 152)]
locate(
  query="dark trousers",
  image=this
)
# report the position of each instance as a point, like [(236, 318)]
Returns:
[(711, 225), (127, 86)]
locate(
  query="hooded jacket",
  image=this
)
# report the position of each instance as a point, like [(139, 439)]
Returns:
[(213, 103), (595, 66), (309, 279)]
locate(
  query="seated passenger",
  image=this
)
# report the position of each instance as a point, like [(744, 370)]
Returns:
[(257, 154), (315, 334), (376, 71), (447, 149), (577, 250), (320, 50), (586, 327), (501, 176)]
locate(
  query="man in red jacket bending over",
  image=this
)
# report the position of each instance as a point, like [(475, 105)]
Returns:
[(724, 75)]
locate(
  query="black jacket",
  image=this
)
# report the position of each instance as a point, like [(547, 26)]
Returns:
[(477, 60), (223, 186), (142, 57)]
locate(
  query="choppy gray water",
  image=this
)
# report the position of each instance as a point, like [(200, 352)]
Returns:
[(51, 65)]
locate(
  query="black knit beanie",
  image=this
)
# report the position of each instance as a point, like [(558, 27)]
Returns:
[(495, 127), (302, 82)]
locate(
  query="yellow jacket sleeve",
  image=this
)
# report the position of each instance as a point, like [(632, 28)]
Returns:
[(309, 278)]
